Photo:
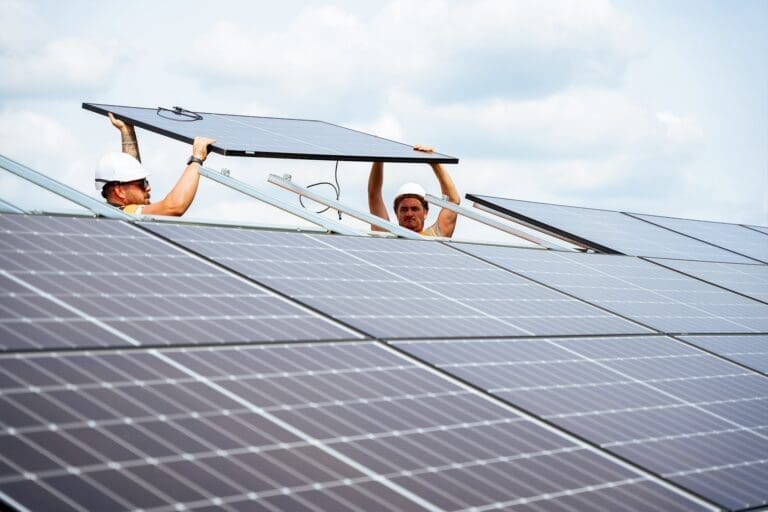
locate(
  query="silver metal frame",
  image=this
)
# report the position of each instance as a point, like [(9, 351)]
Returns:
[(248, 190), (6, 207), (65, 191), (442, 203), (363, 216)]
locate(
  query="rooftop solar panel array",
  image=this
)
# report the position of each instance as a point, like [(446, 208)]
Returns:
[(610, 231), (238, 135), (164, 367)]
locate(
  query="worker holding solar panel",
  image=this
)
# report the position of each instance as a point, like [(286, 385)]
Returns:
[(123, 180), (411, 206)]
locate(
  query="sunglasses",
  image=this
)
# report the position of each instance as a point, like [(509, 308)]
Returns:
[(143, 183)]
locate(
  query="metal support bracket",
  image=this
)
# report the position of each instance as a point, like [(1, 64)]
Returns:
[(363, 216), (250, 191), (6, 207), (65, 191)]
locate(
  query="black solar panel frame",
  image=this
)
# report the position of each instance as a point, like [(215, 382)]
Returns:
[(419, 157)]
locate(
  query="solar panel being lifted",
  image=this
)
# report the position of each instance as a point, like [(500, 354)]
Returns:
[(238, 135), (91, 283), (608, 231)]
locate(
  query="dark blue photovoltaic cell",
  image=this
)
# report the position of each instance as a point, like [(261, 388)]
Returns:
[(328, 426), (270, 136), (750, 280), (733, 237), (81, 282), (396, 288), (666, 406), (637, 289), (611, 229), (751, 351)]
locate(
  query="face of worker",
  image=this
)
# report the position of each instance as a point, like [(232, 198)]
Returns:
[(411, 214), (135, 192)]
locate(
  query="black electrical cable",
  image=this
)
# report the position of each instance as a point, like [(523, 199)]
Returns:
[(178, 114), (336, 189)]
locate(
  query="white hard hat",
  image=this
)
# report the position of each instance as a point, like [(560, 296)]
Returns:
[(411, 189), (120, 167)]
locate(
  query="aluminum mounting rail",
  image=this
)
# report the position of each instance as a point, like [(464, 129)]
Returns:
[(65, 191), (328, 224), (6, 207), (470, 214), (332, 203)]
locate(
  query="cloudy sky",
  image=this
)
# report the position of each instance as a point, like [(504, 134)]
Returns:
[(650, 106)]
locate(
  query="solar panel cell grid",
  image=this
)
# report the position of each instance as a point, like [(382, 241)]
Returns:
[(107, 283), (200, 428), (733, 237), (749, 280), (397, 288), (666, 406), (751, 351), (654, 296)]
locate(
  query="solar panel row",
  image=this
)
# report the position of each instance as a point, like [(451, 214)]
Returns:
[(163, 418), (639, 235)]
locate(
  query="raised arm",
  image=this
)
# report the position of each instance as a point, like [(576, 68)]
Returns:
[(127, 136), (446, 219), (375, 199), (181, 195)]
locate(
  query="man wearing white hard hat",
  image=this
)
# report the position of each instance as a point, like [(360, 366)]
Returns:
[(123, 182), (411, 207)]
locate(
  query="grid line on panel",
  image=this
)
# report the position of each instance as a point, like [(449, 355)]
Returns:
[(68, 307), (551, 419), (445, 471), (290, 428), (561, 291), (223, 266), (747, 355), (723, 283), (647, 219), (481, 313), (702, 231), (753, 322), (349, 279), (398, 347), (667, 393), (118, 277)]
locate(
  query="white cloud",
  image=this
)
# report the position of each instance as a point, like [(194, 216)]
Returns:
[(682, 129), (63, 65), (439, 50)]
